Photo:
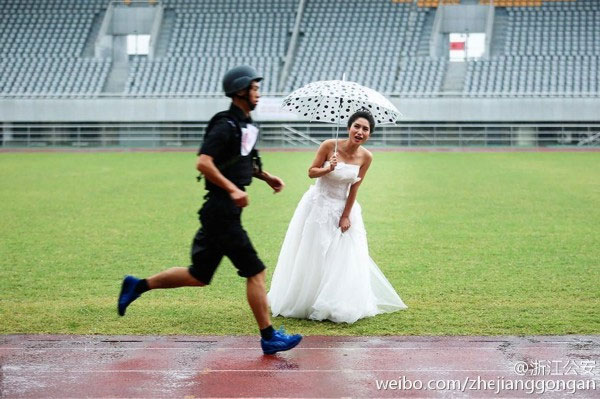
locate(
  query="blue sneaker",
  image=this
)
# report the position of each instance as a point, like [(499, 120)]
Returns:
[(279, 342), (127, 294)]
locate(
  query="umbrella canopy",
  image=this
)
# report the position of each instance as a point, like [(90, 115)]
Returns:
[(334, 101)]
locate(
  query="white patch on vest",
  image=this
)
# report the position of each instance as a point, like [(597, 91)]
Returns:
[(249, 136)]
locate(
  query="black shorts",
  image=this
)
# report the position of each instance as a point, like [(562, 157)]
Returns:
[(221, 235)]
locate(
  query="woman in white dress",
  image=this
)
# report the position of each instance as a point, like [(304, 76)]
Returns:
[(324, 269)]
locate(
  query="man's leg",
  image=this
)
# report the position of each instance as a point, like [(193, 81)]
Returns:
[(133, 287), (272, 341), (257, 298), (173, 278), (245, 259), (206, 256)]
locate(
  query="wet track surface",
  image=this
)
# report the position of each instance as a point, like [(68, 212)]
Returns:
[(38, 366)]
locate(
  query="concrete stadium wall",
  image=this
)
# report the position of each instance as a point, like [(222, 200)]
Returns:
[(121, 21), (466, 18), (138, 20), (115, 109)]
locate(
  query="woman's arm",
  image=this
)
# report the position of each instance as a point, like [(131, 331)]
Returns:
[(316, 169), (345, 219)]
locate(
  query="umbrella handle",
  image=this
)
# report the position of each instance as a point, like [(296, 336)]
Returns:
[(336, 139), (337, 125)]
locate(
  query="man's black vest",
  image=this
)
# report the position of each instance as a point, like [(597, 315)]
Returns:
[(232, 164)]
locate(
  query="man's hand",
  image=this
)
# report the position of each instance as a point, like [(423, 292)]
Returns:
[(239, 197), (344, 223), (276, 183)]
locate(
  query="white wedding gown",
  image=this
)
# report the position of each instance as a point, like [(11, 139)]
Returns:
[(323, 273)]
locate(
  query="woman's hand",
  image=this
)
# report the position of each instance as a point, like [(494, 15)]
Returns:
[(333, 162), (344, 223)]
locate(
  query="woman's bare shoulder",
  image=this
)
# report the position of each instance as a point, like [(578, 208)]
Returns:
[(329, 143), (366, 154)]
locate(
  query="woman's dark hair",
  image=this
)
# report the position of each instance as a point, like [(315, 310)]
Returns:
[(362, 113)]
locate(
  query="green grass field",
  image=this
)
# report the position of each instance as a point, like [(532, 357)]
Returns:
[(474, 243)]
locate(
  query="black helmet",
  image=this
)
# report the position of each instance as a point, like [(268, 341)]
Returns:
[(239, 78)]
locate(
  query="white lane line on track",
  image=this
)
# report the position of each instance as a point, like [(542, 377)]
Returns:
[(79, 371), (445, 349)]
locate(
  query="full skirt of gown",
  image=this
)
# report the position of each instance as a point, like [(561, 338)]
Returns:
[(323, 273)]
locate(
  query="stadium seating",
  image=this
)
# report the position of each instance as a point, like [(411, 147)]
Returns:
[(209, 37), (435, 3), (420, 75), (367, 40), (550, 49), (52, 75), (181, 74), (544, 75), (41, 45)]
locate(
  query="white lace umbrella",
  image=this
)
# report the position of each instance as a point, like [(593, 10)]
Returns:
[(334, 101)]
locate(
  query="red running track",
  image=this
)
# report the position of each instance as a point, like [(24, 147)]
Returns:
[(38, 366), (192, 150)]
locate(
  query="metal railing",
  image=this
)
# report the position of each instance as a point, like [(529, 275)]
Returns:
[(184, 95), (299, 135)]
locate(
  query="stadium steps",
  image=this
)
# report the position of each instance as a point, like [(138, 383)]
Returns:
[(117, 77), (115, 82), (591, 139), (425, 39), (166, 31), (296, 137), (455, 76), (499, 32), (90, 41)]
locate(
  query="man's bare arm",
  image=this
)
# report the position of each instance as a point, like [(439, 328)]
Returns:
[(206, 165)]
